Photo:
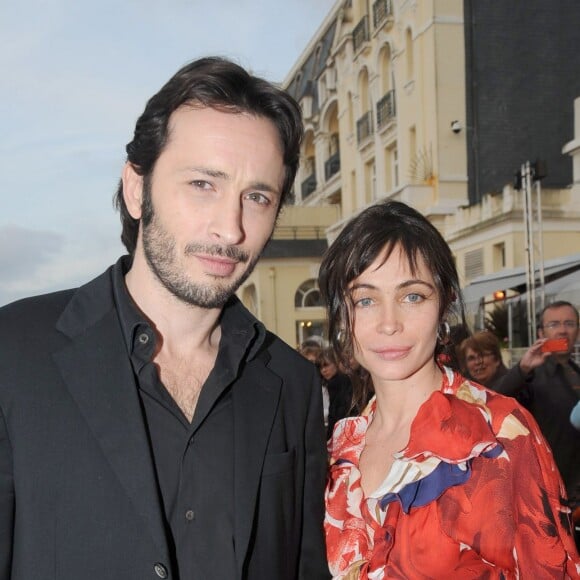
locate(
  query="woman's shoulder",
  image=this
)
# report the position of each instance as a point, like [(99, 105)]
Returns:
[(505, 416)]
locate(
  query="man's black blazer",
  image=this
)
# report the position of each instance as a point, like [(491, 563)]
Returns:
[(78, 494)]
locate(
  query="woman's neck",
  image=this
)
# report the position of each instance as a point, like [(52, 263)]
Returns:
[(398, 401)]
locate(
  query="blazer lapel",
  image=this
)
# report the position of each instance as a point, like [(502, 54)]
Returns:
[(98, 374), (255, 397)]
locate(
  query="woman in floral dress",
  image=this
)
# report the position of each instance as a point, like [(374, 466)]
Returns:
[(439, 477)]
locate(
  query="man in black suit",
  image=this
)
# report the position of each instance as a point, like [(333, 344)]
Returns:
[(150, 426)]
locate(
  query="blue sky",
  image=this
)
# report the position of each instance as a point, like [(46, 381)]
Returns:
[(75, 76)]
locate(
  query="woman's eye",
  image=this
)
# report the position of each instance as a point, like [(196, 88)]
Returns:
[(414, 298), (363, 302)]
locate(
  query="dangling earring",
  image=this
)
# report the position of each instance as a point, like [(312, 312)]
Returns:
[(444, 333)]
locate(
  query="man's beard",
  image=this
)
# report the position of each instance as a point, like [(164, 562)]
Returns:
[(159, 247)]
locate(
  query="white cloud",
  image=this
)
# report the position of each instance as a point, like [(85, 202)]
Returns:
[(23, 251)]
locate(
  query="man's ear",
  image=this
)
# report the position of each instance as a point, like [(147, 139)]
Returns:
[(540, 332), (132, 190)]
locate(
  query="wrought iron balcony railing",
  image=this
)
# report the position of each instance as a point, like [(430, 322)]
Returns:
[(332, 165), (308, 186), (364, 127), (360, 34), (386, 109), (382, 10)]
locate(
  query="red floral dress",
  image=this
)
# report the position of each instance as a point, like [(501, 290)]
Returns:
[(475, 494)]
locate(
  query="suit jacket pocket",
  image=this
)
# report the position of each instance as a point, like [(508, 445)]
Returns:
[(275, 463)]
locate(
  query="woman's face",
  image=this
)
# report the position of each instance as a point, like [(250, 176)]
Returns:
[(396, 318), (327, 369), (481, 366)]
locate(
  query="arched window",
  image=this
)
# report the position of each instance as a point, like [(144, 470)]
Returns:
[(317, 54), (308, 295), (363, 91), (386, 78)]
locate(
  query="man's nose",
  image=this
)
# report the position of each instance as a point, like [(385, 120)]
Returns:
[(226, 225)]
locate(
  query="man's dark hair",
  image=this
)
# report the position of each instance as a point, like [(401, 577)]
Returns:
[(219, 84)]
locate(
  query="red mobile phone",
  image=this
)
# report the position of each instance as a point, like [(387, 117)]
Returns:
[(555, 345)]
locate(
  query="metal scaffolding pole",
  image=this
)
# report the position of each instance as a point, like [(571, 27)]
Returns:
[(529, 249), (542, 280)]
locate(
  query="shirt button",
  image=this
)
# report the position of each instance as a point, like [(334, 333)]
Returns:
[(160, 570), (189, 515), (143, 338)]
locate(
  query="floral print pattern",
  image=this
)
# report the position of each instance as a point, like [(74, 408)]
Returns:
[(474, 494)]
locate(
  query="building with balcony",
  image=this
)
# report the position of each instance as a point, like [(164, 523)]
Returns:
[(437, 103), (379, 85)]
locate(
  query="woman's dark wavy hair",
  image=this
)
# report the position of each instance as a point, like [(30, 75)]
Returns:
[(220, 84), (381, 228)]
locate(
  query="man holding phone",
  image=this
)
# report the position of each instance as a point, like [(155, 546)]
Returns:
[(547, 382)]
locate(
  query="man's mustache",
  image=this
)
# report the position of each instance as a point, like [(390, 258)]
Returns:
[(230, 252)]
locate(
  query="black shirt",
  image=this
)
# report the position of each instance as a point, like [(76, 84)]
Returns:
[(193, 461)]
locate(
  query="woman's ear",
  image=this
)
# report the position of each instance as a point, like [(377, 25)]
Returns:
[(132, 190)]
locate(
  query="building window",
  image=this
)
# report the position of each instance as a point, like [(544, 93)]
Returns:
[(386, 109), (474, 264), (364, 128), (498, 256), (360, 34), (382, 10), (308, 295), (308, 329), (370, 181), (391, 167)]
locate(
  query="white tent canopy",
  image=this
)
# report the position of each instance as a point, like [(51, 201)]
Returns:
[(515, 278)]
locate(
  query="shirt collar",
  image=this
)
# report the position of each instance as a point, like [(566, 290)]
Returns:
[(130, 317), (240, 329)]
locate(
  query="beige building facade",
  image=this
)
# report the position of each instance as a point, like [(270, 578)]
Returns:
[(382, 87), (282, 291)]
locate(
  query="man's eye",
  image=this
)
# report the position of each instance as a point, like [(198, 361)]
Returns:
[(258, 198), (201, 184)]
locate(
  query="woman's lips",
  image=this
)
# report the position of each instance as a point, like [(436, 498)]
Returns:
[(393, 353)]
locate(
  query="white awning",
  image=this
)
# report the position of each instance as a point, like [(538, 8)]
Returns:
[(515, 278), (570, 283)]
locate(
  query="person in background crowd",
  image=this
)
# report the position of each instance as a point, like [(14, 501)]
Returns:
[(480, 355), (150, 426), (548, 384), (339, 389), (313, 352), (428, 482)]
